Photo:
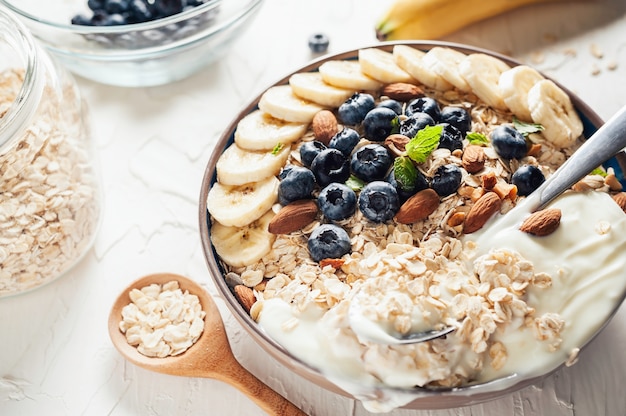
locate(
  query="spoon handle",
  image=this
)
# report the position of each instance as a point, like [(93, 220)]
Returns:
[(233, 373), (600, 147)]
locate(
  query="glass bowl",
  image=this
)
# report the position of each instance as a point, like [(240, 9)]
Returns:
[(413, 398), (141, 54)]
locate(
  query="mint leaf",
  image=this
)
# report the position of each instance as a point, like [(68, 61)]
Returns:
[(424, 142), (355, 183), (526, 128), (405, 173), (277, 149), (599, 171), (478, 139)]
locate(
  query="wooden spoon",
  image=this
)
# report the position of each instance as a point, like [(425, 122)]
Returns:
[(211, 355)]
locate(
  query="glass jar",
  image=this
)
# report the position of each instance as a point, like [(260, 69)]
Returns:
[(50, 201)]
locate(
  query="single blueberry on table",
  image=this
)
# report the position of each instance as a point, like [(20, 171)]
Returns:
[(379, 201), (447, 180), (298, 183), (371, 162), (378, 123), (330, 166), (318, 43), (451, 138), (328, 241), (392, 104), (457, 116), (309, 151), (354, 109), (426, 105), (414, 123), (508, 142), (345, 141), (337, 201), (527, 178)]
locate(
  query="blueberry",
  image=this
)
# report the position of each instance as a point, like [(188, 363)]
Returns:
[(447, 180), (95, 4), (527, 178), (426, 105), (451, 138), (330, 166), (393, 104), (458, 117), (164, 8), (508, 142), (337, 201), (405, 191), (285, 171), (328, 241), (354, 109), (309, 151), (81, 19), (318, 43), (378, 123), (116, 19), (298, 183), (140, 11), (115, 6), (414, 123), (371, 162), (345, 141), (379, 201)]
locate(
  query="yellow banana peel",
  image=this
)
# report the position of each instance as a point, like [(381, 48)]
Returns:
[(432, 19)]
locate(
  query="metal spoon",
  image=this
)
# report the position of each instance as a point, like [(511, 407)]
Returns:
[(211, 355), (605, 143)]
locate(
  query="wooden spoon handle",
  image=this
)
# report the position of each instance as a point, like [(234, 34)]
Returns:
[(233, 373)]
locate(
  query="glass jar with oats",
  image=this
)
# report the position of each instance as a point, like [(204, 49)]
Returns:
[(50, 199)]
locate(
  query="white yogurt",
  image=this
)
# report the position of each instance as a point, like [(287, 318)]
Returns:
[(584, 257)]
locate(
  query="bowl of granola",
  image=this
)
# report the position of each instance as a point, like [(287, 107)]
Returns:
[(136, 43), (392, 177)]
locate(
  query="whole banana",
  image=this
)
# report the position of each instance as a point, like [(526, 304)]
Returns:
[(431, 19)]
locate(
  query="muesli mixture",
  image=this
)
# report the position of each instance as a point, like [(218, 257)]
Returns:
[(390, 232)]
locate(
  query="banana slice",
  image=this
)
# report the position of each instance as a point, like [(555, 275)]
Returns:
[(381, 66), (411, 60), (482, 73), (514, 86), (260, 131), (243, 246), (311, 86), (445, 62), (280, 102), (551, 107), (237, 166), (240, 205), (348, 74)]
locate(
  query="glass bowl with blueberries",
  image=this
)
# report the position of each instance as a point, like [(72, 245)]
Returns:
[(135, 43)]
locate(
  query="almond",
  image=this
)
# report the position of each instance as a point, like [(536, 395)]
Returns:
[(245, 296), (402, 91), (473, 159), (489, 180), (334, 263), (456, 219), (613, 183), (620, 198), (324, 126), (396, 143), (542, 223), (293, 217), (481, 211), (418, 207)]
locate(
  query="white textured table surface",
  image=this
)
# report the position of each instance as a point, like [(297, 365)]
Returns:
[(153, 144)]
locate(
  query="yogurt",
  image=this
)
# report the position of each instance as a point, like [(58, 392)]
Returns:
[(582, 262)]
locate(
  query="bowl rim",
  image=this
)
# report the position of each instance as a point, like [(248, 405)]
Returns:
[(152, 24), (423, 398)]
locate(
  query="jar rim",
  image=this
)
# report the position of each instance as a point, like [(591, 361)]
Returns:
[(17, 36)]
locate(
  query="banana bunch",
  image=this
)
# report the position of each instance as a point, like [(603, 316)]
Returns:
[(432, 19)]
